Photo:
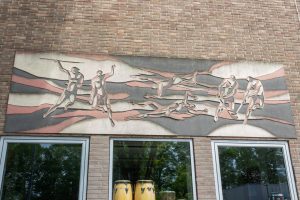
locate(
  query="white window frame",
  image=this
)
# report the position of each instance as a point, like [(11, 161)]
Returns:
[(235, 143), (190, 141), (4, 141)]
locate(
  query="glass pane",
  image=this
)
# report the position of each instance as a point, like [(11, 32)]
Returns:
[(253, 173), (42, 171), (165, 165)]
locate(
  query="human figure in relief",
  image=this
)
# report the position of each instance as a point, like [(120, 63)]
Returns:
[(99, 97), (254, 96), (75, 81), (191, 79), (172, 111), (226, 91), (161, 85)]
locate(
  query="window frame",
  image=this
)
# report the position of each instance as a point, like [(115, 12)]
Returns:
[(5, 140), (111, 145), (238, 143)]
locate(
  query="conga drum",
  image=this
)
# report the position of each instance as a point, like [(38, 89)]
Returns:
[(144, 190), (122, 190)]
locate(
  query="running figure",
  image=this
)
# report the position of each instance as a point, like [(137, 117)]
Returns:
[(75, 81), (98, 97), (227, 89), (254, 96)]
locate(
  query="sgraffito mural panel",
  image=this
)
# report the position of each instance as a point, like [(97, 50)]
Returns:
[(55, 93)]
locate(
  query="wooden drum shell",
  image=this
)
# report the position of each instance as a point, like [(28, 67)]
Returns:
[(144, 190), (122, 190)]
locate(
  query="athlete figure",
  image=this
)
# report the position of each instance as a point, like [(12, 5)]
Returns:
[(75, 81), (180, 107), (185, 107), (254, 96), (99, 97), (158, 110), (191, 79), (227, 89), (162, 85)]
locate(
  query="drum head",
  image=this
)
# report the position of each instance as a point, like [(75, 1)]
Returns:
[(122, 181)]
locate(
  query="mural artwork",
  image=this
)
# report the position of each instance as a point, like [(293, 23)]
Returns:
[(55, 93)]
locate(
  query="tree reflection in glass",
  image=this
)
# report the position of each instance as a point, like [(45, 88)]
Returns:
[(253, 173), (168, 164), (42, 171)]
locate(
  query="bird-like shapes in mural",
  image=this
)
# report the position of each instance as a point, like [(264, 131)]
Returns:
[(75, 81), (254, 96), (226, 91), (99, 96)]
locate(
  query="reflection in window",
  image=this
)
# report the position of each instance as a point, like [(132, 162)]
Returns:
[(42, 171), (163, 166), (253, 173)]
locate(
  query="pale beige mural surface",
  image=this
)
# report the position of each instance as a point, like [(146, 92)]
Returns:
[(56, 93)]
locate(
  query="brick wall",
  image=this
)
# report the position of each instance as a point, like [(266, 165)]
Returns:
[(261, 30)]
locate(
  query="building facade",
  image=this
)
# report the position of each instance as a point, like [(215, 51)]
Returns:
[(166, 40)]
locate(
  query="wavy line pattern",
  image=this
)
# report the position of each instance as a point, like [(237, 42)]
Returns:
[(160, 96)]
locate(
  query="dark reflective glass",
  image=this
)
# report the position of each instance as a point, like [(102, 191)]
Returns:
[(41, 172), (253, 173), (167, 164)]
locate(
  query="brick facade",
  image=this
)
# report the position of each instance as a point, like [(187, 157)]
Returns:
[(261, 30)]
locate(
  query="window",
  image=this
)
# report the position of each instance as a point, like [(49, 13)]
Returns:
[(253, 170), (43, 168), (158, 169)]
